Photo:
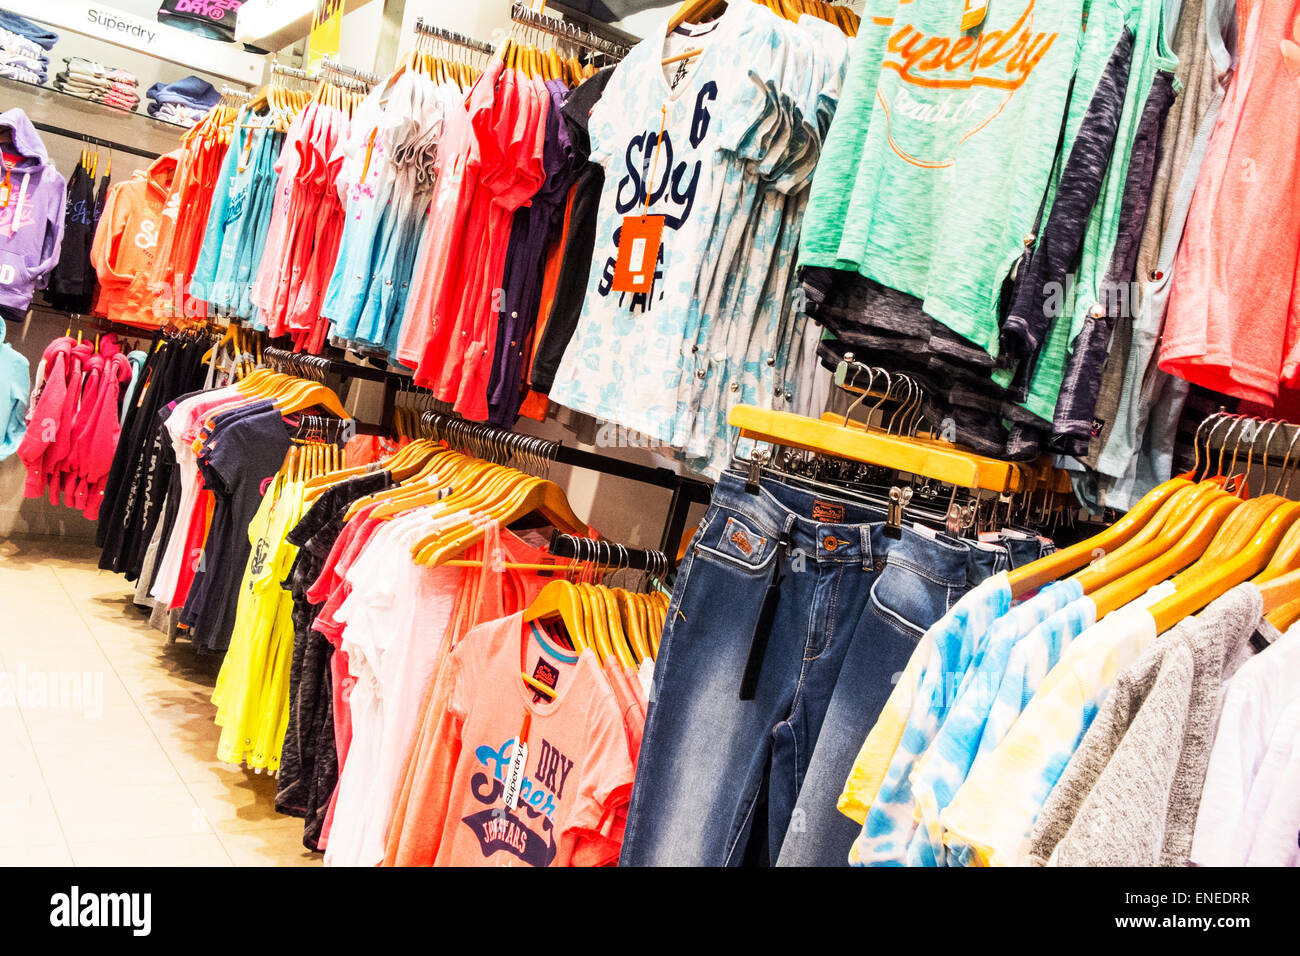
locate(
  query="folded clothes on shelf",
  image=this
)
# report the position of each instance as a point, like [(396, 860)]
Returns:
[(22, 58), (37, 33), (101, 84), (191, 93)]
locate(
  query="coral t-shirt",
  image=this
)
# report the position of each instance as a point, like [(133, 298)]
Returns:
[(577, 776)]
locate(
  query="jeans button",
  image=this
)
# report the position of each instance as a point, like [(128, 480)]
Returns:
[(830, 543), (879, 565)]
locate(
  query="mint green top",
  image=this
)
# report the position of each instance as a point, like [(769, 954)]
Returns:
[(942, 149)]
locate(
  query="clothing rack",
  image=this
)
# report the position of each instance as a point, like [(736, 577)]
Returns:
[(498, 444), (342, 69), (565, 30), (291, 71), (1233, 440), (231, 93), (609, 555), (451, 36), (94, 140)]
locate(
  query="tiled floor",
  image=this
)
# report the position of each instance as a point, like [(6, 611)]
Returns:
[(107, 743)]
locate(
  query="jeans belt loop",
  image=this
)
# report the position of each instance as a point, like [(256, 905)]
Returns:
[(763, 629)]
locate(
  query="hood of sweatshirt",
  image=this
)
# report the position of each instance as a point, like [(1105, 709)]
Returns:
[(27, 142), (161, 172)]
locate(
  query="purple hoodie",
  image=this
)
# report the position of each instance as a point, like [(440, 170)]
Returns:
[(31, 222)]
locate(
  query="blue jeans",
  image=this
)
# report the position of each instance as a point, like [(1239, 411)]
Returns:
[(720, 777), (819, 835)]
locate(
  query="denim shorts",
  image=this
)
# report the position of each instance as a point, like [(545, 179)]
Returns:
[(805, 598)]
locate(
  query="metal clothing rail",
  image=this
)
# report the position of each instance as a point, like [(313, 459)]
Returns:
[(291, 71), (451, 36), (94, 140), (342, 69), (493, 443), (607, 554), (566, 30)]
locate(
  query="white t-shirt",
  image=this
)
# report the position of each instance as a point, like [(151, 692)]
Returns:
[(1258, 696)]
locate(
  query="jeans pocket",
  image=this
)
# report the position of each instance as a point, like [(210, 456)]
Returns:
[(909, 600), (737, 543)]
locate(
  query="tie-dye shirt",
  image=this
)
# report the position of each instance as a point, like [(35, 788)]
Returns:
[(878, 792), (942, 769), (989, 819)]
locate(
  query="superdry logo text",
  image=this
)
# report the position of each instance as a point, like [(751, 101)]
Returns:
[(103, 910)]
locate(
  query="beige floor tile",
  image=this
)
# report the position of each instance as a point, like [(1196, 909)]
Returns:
[(27, 815), (196, 850), (104, 813), (276, 847), (105, 756), (50, 855), (112, 752), (240, 800)]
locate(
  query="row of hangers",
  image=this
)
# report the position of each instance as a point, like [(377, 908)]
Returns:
[(539, 54), (898, 445), (444, 57), (618, 626), (89, 161), (702, 11), (1200, 527), (1204, 529)]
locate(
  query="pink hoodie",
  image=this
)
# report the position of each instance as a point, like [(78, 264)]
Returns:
[(74, 425)]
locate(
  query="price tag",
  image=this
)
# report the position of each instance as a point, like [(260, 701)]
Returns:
[(5, 190), (518, 760), (638, 253)]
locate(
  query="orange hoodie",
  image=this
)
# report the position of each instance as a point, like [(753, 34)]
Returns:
[(126, 243)]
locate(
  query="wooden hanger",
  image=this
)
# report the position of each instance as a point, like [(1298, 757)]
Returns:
[(1163, 532), (696, 11), (953, 467), (558, 601), (1033, 576), (1251, 560)]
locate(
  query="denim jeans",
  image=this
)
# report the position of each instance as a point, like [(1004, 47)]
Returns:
[(819, 835), (719, 777)]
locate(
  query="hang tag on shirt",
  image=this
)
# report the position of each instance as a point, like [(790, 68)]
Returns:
[(515, 772), (972, 14), (5, 191), (638, 253)]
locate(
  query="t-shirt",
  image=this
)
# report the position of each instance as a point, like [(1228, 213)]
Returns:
[(623, 363), (1257, 698), (577, 775), (989, 819), (942, 149)]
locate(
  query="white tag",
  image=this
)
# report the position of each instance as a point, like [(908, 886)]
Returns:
[(515, 773)]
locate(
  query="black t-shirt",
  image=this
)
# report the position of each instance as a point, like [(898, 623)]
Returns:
[(575, 267), (245, 449)]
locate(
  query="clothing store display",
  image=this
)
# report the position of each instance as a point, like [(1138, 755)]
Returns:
[(102, 84), (126, 242), (191, 94), (74, 421), (22, 58), (73, 281), (934, 359), (33, 194)]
